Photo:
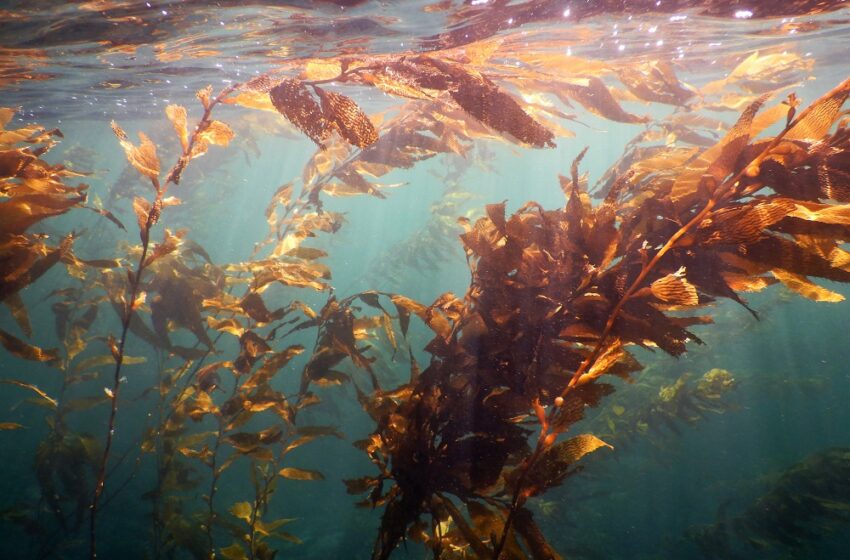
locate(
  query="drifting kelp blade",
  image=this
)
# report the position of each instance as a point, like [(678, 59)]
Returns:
[(21, 349), (350, 120), (300, 474), (556, 462), (293, 101), (178, 117), (821, 116), (144, 157)]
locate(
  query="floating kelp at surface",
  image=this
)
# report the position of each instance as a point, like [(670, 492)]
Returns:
[(807, 502)]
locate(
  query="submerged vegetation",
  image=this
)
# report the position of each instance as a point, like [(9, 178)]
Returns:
[(561, 303), (806, 502)]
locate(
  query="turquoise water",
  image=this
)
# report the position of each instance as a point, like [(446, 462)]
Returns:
[(753, 471)]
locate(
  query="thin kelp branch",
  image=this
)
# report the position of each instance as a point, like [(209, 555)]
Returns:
[(145, 160)]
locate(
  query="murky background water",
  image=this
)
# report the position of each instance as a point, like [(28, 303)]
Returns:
[(82, 65)]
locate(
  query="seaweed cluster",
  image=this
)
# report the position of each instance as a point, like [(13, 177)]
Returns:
[(558, 298), (807, 501)]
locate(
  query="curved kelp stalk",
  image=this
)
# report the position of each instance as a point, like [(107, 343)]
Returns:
[(557, 296), (146, 162)]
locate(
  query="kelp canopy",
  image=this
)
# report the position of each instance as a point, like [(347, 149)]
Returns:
[(198, 391)]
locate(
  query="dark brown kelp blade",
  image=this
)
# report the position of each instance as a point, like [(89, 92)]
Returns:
[(292, 100), (475, 94), (482, 99), (350, 120)]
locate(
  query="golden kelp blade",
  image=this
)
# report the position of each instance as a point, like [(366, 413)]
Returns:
[(143, 158), (675, 289), (300, 474), (177, 115), (26, 351)]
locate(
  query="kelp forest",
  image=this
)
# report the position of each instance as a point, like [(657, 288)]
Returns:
[(453, 280)]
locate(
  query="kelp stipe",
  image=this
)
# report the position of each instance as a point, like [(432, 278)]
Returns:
[(146, 162)]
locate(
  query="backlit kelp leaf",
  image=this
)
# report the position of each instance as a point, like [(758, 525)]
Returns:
[(204, 95), (485, 101), (177, 115), (108, 215), (242, 510), (10, 426), (730, 148), (806, 288), (246, 442), (142, 208), (292, 100), (822, 115), (318, 69), (19, 313), (556, 462), (655, 81), (13, 162), (270, 528), (20, 212), (405, 306), (271, 366), (614, 360), (231, 326), (716, 163), (143, 158), (255, 307), (21, 349), (593, 95), (390, 82), (233, 552), (171, 241), (302, 274), (42, 395), (351, 121), (300, 474), (216, 132), (675, 289), (93, 362)]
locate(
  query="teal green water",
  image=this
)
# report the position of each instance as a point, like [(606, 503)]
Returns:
[(647, 499)]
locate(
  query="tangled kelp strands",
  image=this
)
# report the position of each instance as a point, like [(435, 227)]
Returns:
[(475, 404), (808, 501)]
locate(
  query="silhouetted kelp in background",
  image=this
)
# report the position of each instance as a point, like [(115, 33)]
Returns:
[(556, 297), (807, 501)]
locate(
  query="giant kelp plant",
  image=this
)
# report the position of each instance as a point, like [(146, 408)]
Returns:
[(557, 297)]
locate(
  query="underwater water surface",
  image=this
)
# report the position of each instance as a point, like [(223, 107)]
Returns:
[(424, 279)]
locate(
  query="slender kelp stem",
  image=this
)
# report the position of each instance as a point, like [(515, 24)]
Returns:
[(215, 476), (116, 385), (130, 304), (721, 194)]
